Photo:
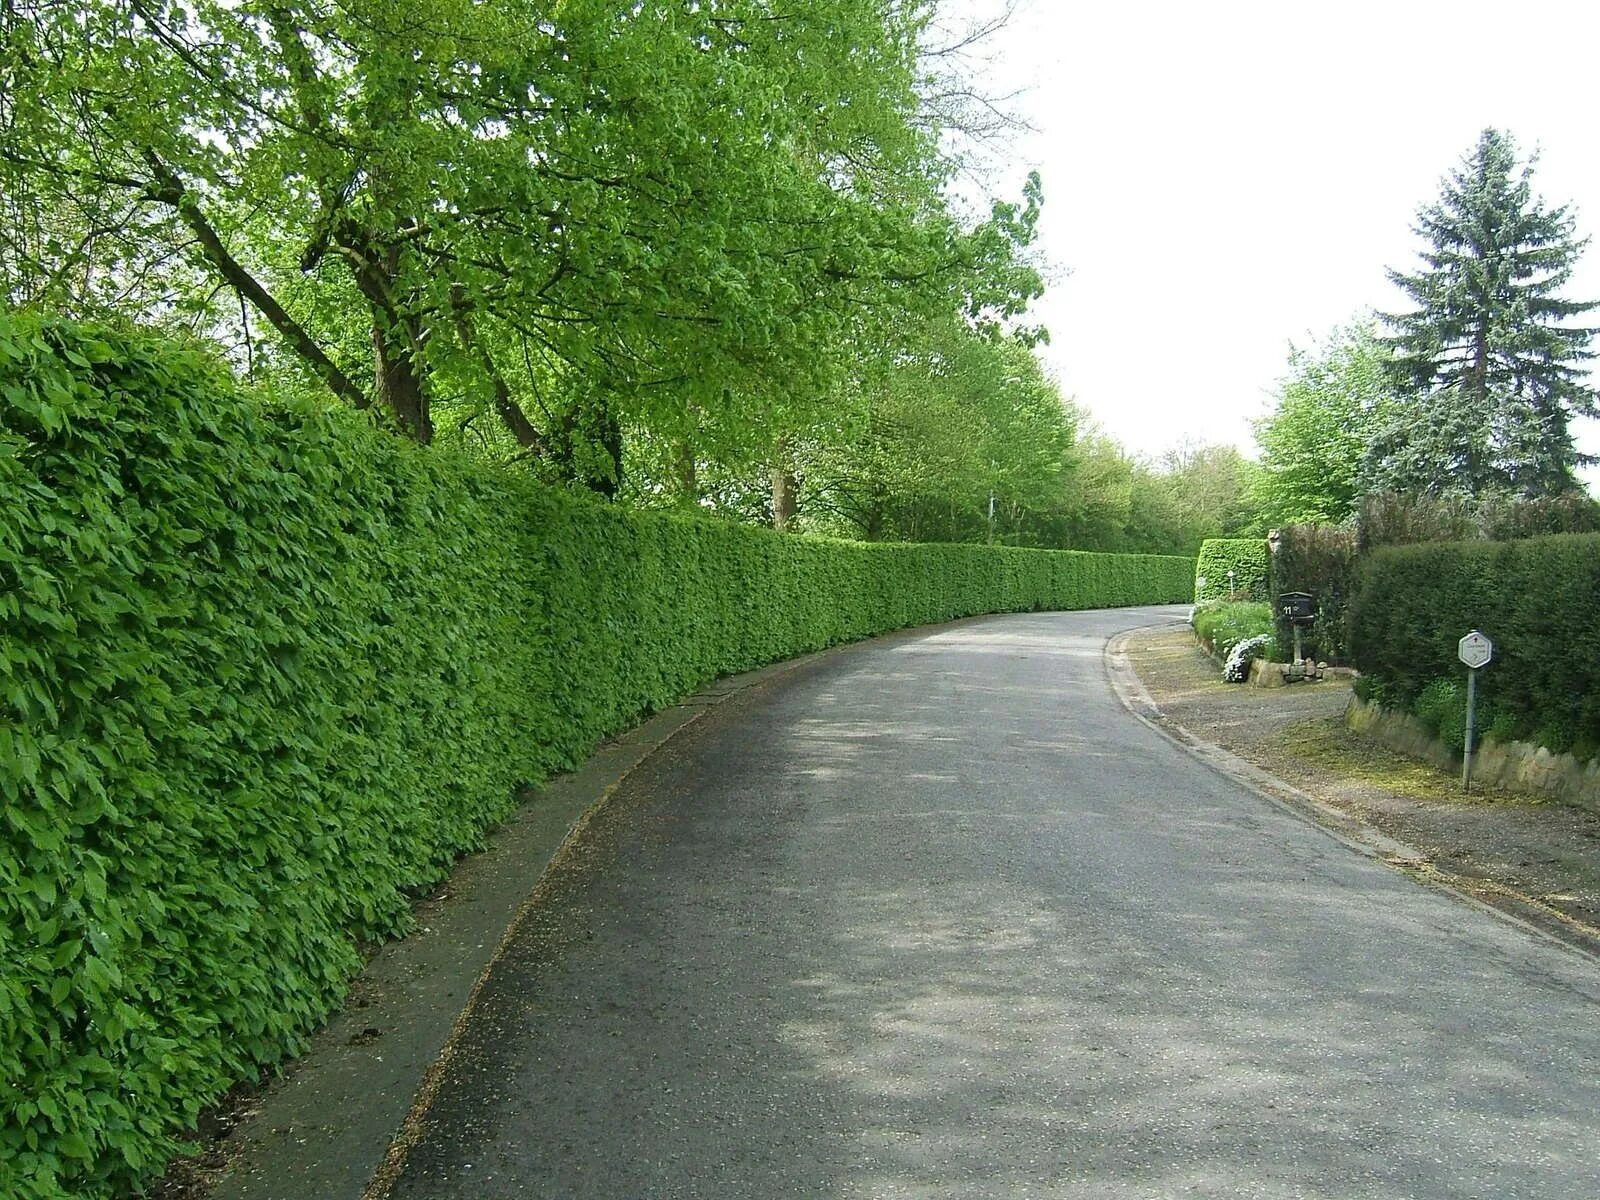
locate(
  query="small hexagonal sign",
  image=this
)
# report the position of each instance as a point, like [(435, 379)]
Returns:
[(1475, 650)]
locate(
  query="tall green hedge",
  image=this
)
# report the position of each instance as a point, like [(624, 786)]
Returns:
[(1246, 557), (1536, 599), (264, 672)]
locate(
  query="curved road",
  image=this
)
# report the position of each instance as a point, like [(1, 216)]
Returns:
[(934, 916)]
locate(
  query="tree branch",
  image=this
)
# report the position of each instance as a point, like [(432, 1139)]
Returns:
[(505, 404), (171, 190)]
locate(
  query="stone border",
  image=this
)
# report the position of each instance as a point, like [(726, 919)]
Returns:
[(1514, 766), (1264, 673)]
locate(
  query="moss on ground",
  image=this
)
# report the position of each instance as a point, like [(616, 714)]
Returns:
[(1327, 743)]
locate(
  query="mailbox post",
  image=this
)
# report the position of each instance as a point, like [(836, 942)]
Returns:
[(1300, 610), (1475, 650)]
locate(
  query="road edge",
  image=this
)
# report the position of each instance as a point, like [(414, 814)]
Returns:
[(1505, 904), (381, 1086)]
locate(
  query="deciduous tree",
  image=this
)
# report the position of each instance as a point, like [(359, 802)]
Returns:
[(1316, 438), (923, 438), (576, 220)]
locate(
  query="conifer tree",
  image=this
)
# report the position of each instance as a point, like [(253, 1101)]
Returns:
[(1488, 367)]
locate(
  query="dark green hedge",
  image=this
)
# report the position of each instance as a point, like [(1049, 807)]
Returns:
[(1246, 557), (1321, 561), (264, 672), (1536, 599)]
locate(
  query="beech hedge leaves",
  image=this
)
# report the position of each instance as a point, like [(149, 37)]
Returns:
[(1247, 558), (266, 671)]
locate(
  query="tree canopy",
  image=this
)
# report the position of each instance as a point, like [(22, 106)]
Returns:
[(1314, 441), (683, 254), (921, 442), (578, 219)]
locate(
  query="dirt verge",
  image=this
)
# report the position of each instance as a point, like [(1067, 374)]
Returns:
[(1532, 856)]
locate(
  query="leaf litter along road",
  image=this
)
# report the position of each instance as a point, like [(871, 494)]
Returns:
[(941, 918)]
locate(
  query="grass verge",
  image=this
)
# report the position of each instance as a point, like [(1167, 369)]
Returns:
[(1326, 742)]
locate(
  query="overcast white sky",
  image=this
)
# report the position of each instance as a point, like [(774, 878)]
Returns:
[(1222, 179)]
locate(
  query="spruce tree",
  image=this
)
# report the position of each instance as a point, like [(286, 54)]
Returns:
[(1488, 368)]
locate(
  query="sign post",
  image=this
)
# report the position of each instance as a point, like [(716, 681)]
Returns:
[(1475, 650), (1300, 610)]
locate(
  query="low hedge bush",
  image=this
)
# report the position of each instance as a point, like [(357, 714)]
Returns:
[(1534, 598), (1247, 558), (265, 671), (1221, 626)]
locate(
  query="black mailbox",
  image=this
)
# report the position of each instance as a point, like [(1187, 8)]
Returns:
[(1298, 608)]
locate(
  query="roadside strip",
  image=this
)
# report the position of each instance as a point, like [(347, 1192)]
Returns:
[(335, 1125), (1507, 903)]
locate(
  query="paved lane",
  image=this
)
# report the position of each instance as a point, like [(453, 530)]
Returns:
[(936, 917)]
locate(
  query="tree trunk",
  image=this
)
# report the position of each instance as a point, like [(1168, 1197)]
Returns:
[(505, 404), (611, 442), (688, 472), (784, 499), (172, 191), (400, 386), (594, 428), (1477, 471)]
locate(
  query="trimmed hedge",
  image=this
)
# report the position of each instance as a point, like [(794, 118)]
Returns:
[(1246, 557), (265, 671), (1535, 598)]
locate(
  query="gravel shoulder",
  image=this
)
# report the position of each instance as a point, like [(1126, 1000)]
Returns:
[(1535, 857)]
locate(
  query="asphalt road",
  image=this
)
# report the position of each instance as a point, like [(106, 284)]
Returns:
[(936, 917)]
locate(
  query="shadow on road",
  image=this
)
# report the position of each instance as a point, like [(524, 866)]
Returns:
[(939, 919)]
